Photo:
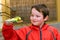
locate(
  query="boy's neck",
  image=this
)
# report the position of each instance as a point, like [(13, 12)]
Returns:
[(41, 25)]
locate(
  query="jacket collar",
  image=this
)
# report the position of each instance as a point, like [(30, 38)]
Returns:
[(44, 27)]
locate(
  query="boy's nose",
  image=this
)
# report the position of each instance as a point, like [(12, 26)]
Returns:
[(34, 18)]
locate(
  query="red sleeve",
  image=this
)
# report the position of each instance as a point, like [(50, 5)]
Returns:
[(58, 37), (8, 32)]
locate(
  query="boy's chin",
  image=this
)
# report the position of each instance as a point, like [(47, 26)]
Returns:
[(36, 24)]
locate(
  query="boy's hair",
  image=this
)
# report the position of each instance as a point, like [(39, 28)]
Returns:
[(41, 8)]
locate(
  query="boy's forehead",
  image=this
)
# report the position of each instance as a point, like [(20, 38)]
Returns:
[(35, 11)]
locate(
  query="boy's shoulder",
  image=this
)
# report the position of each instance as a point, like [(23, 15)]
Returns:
[(52, 28)]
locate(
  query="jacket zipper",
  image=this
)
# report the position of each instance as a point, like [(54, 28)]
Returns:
[(40, 33)]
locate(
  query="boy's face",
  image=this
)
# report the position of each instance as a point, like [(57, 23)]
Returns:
[(36, 17)]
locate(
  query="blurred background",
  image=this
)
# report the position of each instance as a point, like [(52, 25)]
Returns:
[(22, 8)]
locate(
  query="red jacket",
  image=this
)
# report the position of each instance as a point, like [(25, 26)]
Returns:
[(30, 33)]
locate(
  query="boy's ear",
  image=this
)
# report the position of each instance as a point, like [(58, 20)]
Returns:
[(46, 18)]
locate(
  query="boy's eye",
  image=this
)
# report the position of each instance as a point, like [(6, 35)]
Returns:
[(37, 16)]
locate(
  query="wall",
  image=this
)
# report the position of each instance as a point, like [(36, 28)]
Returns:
[(5, 9), (58, 9)]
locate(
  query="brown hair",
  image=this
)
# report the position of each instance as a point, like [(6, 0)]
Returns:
[(41, 8)]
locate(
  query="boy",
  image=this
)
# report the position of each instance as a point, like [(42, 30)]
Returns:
[(39, 30)]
